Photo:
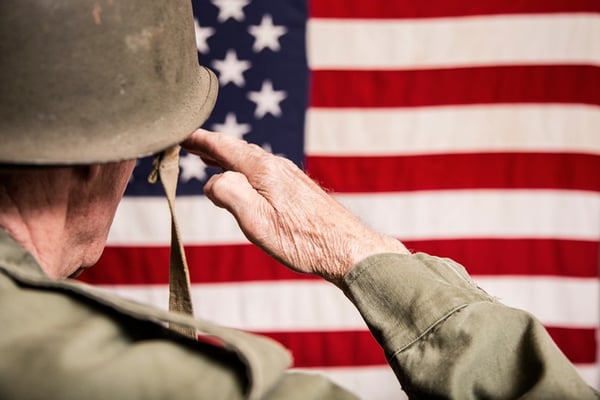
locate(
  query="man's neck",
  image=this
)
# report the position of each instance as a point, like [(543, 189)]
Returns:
[(34, 214)]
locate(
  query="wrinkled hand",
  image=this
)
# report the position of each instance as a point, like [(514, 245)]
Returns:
[(280, 209)]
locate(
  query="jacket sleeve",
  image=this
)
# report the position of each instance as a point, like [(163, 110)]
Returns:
[(57, 345), (446, 338)]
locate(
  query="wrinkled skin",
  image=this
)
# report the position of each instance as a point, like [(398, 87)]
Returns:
[(283, 211), (62, 215)]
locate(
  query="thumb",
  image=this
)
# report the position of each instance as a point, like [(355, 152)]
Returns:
[(232, 191)]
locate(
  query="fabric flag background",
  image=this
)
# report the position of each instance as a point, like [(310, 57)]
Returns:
[(468, 129)]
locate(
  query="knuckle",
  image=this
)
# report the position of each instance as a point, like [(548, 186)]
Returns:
[(270, 165)]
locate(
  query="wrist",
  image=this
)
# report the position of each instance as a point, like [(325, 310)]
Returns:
[(358, 251)]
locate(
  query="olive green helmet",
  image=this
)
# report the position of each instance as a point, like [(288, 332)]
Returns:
[(88, 81)]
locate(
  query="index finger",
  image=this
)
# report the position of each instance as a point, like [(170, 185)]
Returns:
[(225, 151)]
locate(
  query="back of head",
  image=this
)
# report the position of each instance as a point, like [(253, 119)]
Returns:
[(86, 82)]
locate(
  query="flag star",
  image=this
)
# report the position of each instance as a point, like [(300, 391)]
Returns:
[(231, 69), (266, 34), (269, 149), (230, 9), (192, 167), (202, 34), (132, 177), (267, 100), (232, 127)]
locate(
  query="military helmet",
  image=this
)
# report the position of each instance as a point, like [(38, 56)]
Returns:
[(96, 81)]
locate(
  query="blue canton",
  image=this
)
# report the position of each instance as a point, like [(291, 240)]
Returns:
[(257, 48)]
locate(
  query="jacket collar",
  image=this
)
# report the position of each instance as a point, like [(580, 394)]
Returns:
[(15, 259)]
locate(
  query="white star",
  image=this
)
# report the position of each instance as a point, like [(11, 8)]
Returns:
[(231, 69), (267, 147), (231, 127), (192, 167), (202, 34), (267, 100), (132, 177), (230, 9), (266, 34)]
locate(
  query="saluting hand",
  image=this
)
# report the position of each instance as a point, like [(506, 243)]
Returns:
[(283, 211)]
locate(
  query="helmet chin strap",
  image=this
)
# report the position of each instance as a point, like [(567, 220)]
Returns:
[(166, 169)]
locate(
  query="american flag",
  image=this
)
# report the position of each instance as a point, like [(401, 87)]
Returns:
[(468, 129)]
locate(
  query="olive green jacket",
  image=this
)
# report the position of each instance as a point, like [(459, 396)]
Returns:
[(443, 337)]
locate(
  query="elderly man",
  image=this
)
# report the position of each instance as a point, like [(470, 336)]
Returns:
[(97, 85)]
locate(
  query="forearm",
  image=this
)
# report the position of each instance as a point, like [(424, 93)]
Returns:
[(445, 337), (410, 302)]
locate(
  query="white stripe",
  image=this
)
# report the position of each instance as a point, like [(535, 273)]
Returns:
[(304, 306), (145, 221), (317, 305), (484, 213), (546, 297), (446, 42), (453, 129), (590, 373), (379, 382)]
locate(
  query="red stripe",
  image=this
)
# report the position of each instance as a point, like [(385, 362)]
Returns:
[(519, 257), (477, 85), (208, 264), (579, 345), (353, 348), (331, 349), (456, 171), (242, 263), (442, 8)]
